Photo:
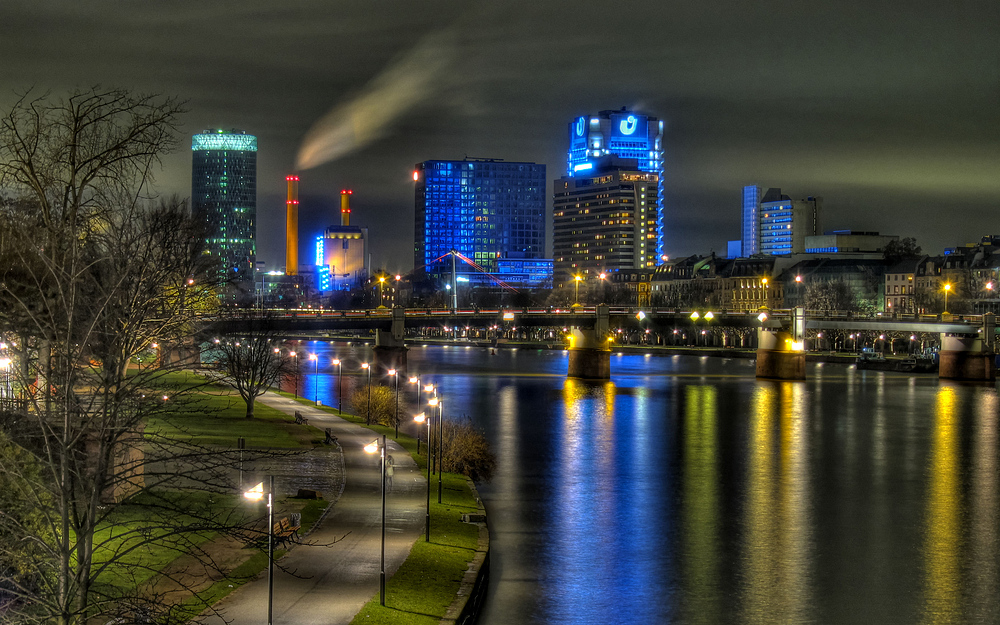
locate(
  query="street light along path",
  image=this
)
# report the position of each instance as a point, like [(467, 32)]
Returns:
[(333, 582)]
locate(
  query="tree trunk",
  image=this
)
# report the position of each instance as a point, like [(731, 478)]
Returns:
[(250, 403)]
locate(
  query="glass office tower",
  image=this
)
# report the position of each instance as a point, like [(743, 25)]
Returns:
[(224, 194), (485, 209), (625, 134)]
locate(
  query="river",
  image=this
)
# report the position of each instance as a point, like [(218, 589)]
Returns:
[(686, 491)]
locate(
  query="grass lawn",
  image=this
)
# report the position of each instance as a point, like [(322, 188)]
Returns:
[(428, 581), (212, 414)]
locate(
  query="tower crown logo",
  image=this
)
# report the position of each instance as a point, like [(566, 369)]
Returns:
[(628, 125), (580, 126)]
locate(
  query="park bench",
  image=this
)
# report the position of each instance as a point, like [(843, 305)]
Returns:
[(299, 419), (285, 531)]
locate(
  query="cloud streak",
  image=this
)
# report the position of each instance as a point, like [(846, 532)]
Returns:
[(370, 115)]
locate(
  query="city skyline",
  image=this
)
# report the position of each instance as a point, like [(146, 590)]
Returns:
[(889, 116)]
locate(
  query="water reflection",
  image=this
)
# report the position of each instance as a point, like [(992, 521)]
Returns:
[(944, 507), (776, 550)]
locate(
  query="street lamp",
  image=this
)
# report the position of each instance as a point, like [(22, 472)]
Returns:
[(315, 359), (395, 417), (577, 280), (371, 448), (340, 394), (256, 494), (381, 283), (420, 418), (947, 289), (436, 401), (294, 355), (368, 413)]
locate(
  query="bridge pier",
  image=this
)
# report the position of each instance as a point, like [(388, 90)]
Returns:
[(589, 356), (777, 359), (966, 358), (390, 349)]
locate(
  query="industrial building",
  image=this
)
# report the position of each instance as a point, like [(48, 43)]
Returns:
[(342, 252)]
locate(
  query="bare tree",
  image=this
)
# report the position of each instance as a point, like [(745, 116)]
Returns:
[(250, 356), (93, 273), (377, 404)]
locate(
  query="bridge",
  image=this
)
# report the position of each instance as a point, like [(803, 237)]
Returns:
[(967, 342)]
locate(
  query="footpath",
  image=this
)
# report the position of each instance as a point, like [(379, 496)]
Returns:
[(329, 578)]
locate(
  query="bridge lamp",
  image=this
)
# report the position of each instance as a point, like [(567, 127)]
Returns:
[(989, 286), (762, 317), (640, 315), (709, 315), (577, 280), (798, 278), (695, 315), (947, 289), (913, 337)]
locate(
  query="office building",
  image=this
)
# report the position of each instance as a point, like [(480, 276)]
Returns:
[(625, 134), (342, 252), (224, 194), (604, 221), (775, 224), (487, 210)]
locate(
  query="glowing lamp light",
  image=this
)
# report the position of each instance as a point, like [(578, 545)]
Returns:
[(709, 315), (336, 362), (762, 317), (695, 315), (508, 316), (416, 176), (913, 337), (429, 388), (256, 493), (797, 346), (364, 365), (420, 418), (989, 286), (391, 372), (414, 380), (372, 447), (640, 315), (433, 401), (798, 278), (4, 363)]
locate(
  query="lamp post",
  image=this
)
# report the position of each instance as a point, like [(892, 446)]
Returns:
[(256, 494), (381, 283), (420, 418), (340, 394), (947, 289), (371, 448), (395, 415), (368, 413), (315, 359), (429, 388), (294, 356), (436, 401), (577, 280)]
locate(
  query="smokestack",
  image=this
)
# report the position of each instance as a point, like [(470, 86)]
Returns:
[(292, 227), (345, 207)]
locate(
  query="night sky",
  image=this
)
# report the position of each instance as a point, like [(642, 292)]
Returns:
[(889, 111)]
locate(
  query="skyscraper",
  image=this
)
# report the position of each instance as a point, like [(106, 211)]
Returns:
[(604, 221), (485, 209), (625, 134), (224, 194), (774, 223)]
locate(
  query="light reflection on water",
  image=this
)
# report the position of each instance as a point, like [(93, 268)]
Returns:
[(686, 491)]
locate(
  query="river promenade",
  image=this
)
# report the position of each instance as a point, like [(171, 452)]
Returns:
[(330, 577)]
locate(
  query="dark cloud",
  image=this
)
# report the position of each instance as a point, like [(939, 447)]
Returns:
[(889, 112)]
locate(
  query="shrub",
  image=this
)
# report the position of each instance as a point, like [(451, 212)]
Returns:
[(467, 451)]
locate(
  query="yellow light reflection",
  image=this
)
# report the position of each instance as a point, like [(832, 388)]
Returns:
[(776, 558), (701, 506), (944, 505)]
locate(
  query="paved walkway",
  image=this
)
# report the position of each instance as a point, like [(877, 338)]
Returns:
[(333, 581)]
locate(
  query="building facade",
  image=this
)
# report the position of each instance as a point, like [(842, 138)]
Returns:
[(342, 252), (224, 194), (629, 135), (486, 210), (751, 209), (775, 224), (605, 221)]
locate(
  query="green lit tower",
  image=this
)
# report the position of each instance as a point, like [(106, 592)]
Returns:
[(224, 194)]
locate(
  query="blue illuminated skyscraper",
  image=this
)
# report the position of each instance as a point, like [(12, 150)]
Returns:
[(625, 134), (485, 209), (751, 220), (224, 194)]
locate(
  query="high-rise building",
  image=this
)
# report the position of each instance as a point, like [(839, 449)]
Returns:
[(224, 194), (751, 210), (605, 221), (484, 209), (625, 134), (774, 223)]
